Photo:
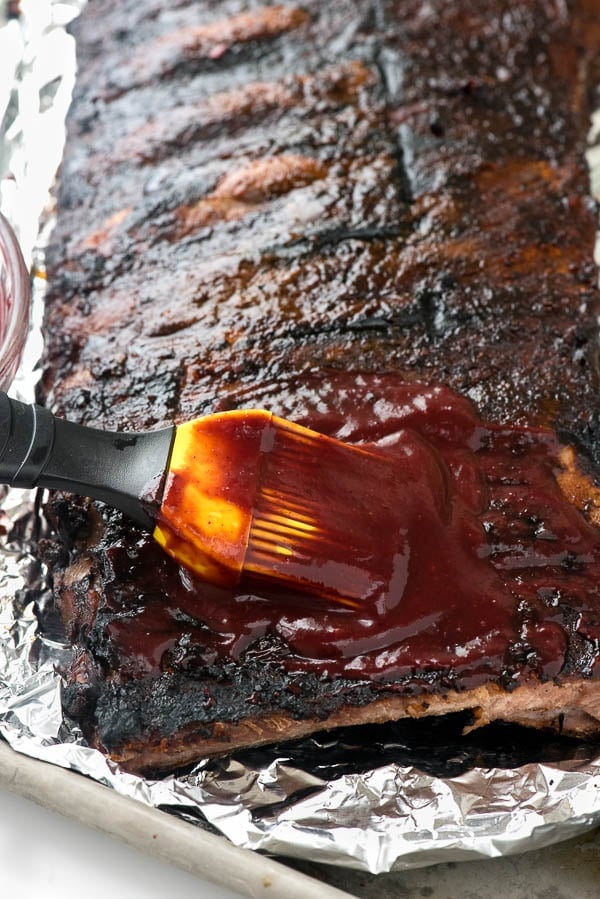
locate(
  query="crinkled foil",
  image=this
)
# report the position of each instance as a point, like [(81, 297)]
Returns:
[(389, 816)]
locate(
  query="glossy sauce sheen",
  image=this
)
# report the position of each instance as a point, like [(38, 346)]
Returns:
[(473, 549)]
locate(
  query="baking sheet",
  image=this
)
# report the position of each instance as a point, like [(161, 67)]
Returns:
[(156, 833)]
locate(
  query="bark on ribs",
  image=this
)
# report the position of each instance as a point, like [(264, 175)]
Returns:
[(483, 282)]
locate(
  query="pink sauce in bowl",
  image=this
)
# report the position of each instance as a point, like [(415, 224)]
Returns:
[(15, 294)]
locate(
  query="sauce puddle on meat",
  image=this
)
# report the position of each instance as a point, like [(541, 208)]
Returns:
[(474, 547)]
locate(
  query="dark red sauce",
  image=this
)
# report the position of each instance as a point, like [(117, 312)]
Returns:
[(474, 557)]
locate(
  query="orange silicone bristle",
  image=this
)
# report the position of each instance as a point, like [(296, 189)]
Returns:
[(250, 494), (311, 514)]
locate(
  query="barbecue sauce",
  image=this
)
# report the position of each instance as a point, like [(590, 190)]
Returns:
[(473, 554)]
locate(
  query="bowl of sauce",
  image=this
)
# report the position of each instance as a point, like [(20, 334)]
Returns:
[(15, 294)]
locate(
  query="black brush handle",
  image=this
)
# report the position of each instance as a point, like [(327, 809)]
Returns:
[(121, 469)]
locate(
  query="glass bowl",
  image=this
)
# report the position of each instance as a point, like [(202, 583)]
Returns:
[(15, 295)]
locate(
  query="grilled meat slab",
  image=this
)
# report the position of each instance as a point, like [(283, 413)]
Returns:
[(310, 207)]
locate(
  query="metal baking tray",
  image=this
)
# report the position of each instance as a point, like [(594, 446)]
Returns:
[(155, 832)]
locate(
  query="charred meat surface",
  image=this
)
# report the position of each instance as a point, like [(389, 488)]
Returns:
[(324, 209)]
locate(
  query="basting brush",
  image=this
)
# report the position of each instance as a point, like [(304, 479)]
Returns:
[(234, 494)]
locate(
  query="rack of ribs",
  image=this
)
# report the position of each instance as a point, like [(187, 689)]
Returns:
[(365, 217)]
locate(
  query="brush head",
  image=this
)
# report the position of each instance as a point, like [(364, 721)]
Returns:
[(251, 494)]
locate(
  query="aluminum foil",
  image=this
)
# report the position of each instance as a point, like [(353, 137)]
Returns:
[(326, 799)]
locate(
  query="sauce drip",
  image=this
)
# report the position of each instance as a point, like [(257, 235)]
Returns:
[(482, 550)]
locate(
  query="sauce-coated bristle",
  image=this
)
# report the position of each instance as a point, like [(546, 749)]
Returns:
[(318, 514), (250, 494)]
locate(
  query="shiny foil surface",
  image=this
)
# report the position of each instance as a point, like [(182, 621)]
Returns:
[(404, 795)]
